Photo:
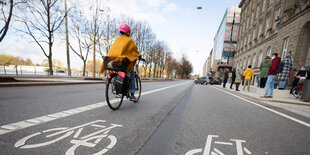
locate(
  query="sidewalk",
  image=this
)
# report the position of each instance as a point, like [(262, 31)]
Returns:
[(43, 80), (281, 99)]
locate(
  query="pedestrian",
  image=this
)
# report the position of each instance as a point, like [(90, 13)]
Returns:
[(264, 68), (238, 78), (284, 71), (258, 81), (248, 74), (272, 73), (233, 77), (225, 77)]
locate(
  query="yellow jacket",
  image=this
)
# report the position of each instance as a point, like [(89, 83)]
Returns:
[(123, 47), (248, 73)]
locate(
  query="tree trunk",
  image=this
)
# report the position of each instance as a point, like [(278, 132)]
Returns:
[(84, 67), (154, 71), (50, 64)]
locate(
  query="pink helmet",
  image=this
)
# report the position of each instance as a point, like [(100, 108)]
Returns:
[(124, 28)]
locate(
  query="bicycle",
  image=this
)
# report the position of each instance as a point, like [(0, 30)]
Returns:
[(296, 91), (117, 86)]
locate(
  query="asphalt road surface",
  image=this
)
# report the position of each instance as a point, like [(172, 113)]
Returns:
[(177, 118)]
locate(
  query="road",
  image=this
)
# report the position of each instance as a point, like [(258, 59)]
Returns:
[(174, 118)]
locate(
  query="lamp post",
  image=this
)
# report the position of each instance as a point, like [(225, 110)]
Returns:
[(67, 39)]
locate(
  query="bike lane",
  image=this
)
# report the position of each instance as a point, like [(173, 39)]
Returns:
[(217, 123), (88, 132)]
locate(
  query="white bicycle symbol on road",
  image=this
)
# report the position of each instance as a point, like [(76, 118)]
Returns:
[(209, 151), (90, 140)]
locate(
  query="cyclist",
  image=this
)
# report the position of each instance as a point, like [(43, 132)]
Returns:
[(124, 47)]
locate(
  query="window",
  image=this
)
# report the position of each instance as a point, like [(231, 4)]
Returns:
[(264, 4), (267, 26), (249, 61), (277, 17), (252, 18), (260, 29), (270, 2), (269, 51), (257, 11), (267, 23), (285, 47), (244, 64), (254, 61), (254, 33), (260, 58)]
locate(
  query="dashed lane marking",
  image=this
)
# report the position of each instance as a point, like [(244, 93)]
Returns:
[(42, 119)]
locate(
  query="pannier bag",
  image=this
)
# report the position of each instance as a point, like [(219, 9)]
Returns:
[(120, 78), (116, 63)]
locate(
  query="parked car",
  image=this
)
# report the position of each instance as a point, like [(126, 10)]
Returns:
[(217, 80), (201, 80)]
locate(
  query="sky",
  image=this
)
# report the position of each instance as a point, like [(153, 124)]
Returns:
[(177, 22)]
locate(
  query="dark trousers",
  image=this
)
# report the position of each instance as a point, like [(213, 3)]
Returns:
[(225, 81), (263, 82), (237, 86), (232, 82)]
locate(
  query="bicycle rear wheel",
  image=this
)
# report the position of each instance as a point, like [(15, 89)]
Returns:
[(295, 92), (138, 88), (114, 100)]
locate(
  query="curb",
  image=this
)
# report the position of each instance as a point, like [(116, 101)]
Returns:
[(57, 83)]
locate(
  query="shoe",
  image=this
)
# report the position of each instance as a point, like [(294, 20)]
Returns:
[(132, 98), (230, 88), (264, 97), (269, 96), (237, 90)]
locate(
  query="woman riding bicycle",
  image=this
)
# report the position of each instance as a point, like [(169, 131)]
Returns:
[(124, 47)]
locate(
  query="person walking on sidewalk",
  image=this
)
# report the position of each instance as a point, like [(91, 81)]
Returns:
[(284, 71), (238, 78), (264, 68), (233, 77), (225, 77), (248, 74), (272, 73)]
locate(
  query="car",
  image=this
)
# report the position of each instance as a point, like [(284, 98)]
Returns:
[(201, 80)]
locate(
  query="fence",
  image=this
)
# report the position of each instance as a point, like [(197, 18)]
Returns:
[(35, 70)]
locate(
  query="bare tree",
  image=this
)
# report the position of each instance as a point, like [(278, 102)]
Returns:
[(42, 18), (81, 36), (7, 7)]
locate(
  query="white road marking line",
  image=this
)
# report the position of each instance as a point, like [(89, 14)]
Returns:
[(222, 143), (35, 121), (42, 119), (271, 110), (208, 144), (3, 131), (9, 127), (247, 151), (218, 151), (22, 124)]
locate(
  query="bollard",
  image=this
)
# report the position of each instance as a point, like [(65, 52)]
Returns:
[(16, 70), (4, 70)]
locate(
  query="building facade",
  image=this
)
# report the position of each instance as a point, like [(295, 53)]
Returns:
[(225, 40), (269, 26)]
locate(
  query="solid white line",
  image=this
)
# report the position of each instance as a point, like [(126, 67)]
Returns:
[(271, 110), (46, 118)]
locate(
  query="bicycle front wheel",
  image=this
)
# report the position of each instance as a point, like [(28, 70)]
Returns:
[(138, 88), (114, 100)]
